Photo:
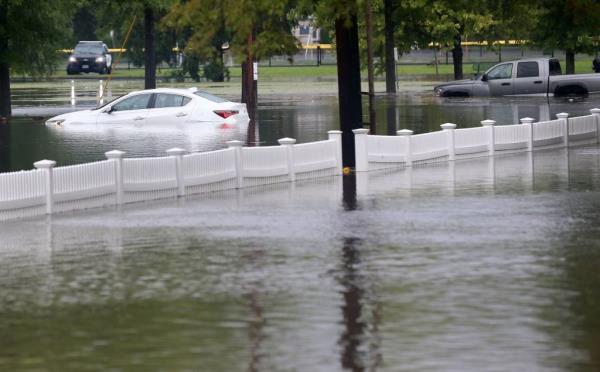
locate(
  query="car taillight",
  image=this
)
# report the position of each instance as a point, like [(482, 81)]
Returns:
[(226, 113)]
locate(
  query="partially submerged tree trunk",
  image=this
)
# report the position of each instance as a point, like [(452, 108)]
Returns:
[(390, 62), (457, 57), (5, 109), (348, 70), (149, 50), (570, 61)]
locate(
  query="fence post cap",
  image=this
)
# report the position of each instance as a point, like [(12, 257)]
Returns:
[(234, 143), (44, 164), (527, 120), (562, 115), (360, 131), (488, 122), (404, 132), (334, 132), (176, 151), (595, 111), (448, 126), (286, 141), (114, 154)]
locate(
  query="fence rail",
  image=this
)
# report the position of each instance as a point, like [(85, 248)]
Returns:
[(378, 152), (117, 180)]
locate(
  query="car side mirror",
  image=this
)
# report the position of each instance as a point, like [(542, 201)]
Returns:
[(484, 77), (110, 110)]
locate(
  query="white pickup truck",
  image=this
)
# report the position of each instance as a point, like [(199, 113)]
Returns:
[(535, 76)]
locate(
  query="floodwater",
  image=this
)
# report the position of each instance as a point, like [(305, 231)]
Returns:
[(478, 265), (301, 110), (484, 265)]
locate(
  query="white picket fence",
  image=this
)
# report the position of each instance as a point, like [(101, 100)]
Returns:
[(375, 152), (118, 180)]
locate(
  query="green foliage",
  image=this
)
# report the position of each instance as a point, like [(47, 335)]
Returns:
[(31, 35)]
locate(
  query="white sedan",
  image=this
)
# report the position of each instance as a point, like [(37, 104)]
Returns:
[(158, 109)]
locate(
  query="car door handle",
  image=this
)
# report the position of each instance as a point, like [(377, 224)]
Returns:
[(180, 114), (538, 82), (138, 118), (505, 84)]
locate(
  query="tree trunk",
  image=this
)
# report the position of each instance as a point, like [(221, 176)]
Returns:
[(370, 71), (348, 71), (249, 89), (390, 62), (457, 58), (5, 109), (149, 50), (570, 61), (5, 105)]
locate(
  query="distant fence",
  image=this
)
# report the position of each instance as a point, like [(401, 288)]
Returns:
[(375, 152), (118, 180)]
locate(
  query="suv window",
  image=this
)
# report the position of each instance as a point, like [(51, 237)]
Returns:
[(170, 100), (89, 49), (528, 69), (500, 72), (137, 102)]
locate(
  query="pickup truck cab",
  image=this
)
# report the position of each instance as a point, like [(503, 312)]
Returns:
[(535, 76)]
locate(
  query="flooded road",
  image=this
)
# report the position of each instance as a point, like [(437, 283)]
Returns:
[(301, 110), (484, 265), (478, 265)]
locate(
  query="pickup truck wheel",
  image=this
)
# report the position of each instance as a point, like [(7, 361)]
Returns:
[(570, 91)]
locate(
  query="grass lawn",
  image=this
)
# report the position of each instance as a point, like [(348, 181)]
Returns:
[(311, 72)]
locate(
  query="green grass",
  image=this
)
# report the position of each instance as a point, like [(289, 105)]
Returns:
[(310, 72)]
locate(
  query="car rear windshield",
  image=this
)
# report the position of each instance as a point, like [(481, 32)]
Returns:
[(89, 49), (210, 97)]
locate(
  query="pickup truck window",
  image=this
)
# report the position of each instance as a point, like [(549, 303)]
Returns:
[(503, 71), (555, 67), (528, 69)]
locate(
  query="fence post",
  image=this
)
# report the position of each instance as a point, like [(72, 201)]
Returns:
[(407, 133), (489, 124), (288, 143), (361, 152), (449, 129), (337, 136), (237, 146), (117, 157), (596, 113), (47, 166), (565, 119), (529, 123), (178, 153)]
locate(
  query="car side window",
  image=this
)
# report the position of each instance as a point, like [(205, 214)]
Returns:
[(137, 102), (528, 69), (170, 100), (503, 71)]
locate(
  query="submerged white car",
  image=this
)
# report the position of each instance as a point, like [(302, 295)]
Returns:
[(161, 109)]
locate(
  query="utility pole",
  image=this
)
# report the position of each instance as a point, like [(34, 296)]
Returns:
[(370, 72), (149, 50)]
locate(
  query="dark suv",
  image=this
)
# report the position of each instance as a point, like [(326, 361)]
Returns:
[(90, 56)]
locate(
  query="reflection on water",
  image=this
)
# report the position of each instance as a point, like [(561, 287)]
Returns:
[(305, 117), (478, 265)]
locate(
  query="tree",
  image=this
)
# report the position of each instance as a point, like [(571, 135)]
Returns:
[(253, 29), (449, 21), (29, 39), (570, 26)]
